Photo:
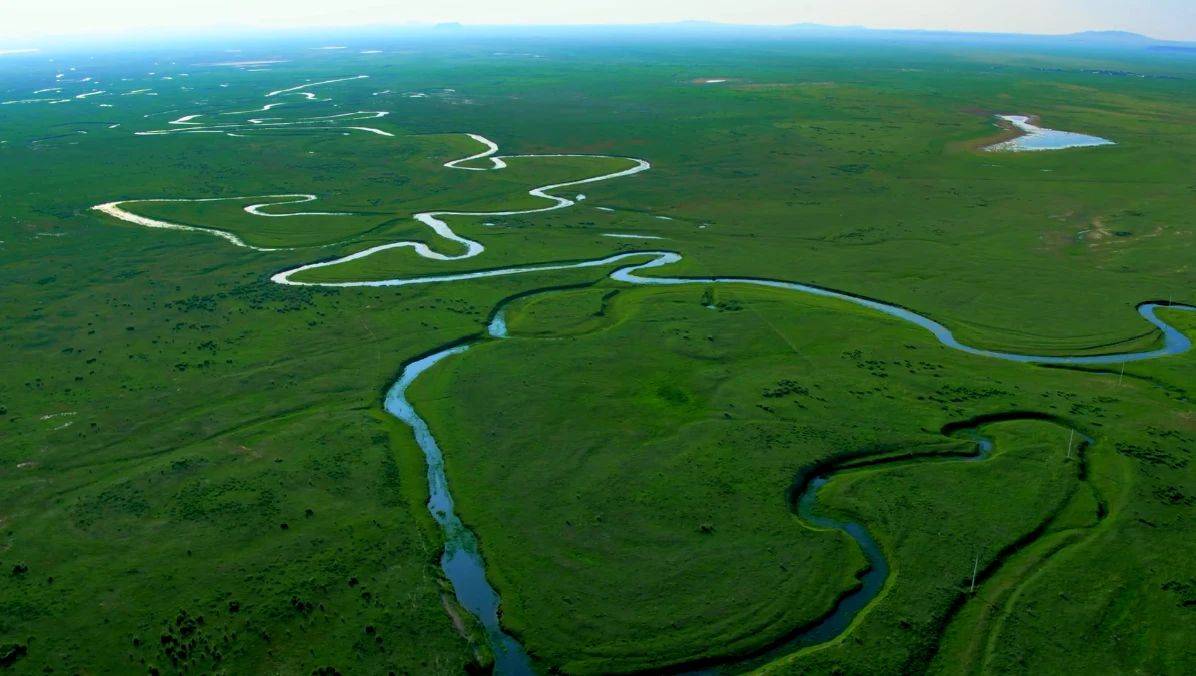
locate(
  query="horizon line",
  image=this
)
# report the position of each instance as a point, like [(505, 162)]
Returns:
[(12, 44)]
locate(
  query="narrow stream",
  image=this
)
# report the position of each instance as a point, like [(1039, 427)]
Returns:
[(805, 505), (1174, 341), (871, 582), (462, 562)]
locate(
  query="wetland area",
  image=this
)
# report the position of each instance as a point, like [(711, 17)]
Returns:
[(521, 353)]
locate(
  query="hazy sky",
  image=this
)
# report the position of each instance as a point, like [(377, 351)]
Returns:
[(26, 20)]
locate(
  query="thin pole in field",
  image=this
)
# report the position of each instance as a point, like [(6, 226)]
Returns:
[(975, 567), (1071, 437)]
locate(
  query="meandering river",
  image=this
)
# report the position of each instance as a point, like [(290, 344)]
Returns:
[(465, 568), (461, 561)]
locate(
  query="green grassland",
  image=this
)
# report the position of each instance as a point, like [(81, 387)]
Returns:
[(700, 421), (196, 472)]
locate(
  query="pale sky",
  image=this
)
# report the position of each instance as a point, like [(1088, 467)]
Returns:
[(27, 21)]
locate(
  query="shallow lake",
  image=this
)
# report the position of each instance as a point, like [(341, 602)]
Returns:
[(1036, 138)]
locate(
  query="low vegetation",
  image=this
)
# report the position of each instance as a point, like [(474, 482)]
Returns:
[(197, 475)]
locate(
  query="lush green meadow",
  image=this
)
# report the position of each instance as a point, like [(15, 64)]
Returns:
[(197, 474), (705, 418)]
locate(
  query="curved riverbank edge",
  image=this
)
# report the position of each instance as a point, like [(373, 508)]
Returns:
[(854, 603)]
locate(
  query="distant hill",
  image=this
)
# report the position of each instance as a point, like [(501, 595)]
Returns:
[(1109, 39), (1123, 37), (699, 30), (1097, 38)]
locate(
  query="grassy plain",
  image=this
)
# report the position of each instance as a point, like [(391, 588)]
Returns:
[(196, 473), (701, 419)]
